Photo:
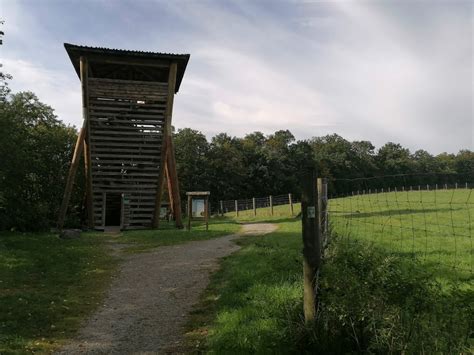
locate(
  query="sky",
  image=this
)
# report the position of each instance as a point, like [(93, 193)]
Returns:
[(398, 71)]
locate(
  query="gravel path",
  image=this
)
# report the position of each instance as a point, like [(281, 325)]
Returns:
[(146, 307)]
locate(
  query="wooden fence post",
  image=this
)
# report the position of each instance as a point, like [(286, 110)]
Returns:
[(254, 207), (206, 212), (271, 204), (323, 209), (311, 243), (291, 205), (236, 208), (222, 207), (189, 211)]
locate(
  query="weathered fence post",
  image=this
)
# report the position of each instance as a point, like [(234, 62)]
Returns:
[(254, 207), (290, 200), (311, 243), (323, 209), (222, 208), (271, 204), (236, 208), (189, 208)]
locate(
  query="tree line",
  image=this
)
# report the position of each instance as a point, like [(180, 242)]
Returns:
[(36, 149), (260, 165)]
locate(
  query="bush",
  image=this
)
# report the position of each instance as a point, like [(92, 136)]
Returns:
[(375, 302)]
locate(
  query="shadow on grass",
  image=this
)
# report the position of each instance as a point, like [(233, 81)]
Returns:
[(394, 212), (48, 286)]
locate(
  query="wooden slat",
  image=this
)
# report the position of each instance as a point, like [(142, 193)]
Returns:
[(125, 126), (147, 153), (127, 115), (128, 145), (130, 133), (95, 139), (127, 103), (142, 156), (158, 84), (135, 109), (125, 163)]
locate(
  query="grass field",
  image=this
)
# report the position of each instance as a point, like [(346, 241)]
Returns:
[(436, 227), (371, 301), (48, 285), (381, 293)]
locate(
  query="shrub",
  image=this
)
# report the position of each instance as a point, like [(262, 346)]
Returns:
[(375, 302)]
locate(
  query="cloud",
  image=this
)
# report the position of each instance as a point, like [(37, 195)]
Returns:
[(378, 71), (52, 87)]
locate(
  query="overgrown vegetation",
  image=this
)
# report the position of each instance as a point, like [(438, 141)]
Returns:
[(370, 301), (47, 286)]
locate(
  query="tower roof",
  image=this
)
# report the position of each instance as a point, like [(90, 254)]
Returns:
[(151, 66)]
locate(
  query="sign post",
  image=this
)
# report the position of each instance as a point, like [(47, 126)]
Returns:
[(311, 242)]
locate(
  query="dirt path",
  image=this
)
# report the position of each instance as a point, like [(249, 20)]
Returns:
[(146, 307)]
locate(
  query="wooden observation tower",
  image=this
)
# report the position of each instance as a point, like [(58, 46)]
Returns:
[(127, 105)]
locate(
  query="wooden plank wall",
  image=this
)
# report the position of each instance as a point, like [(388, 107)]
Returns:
[(126, 135)]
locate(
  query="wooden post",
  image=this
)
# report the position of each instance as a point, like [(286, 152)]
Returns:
[(168, 182), (76, 157), (236, 208), (190, 200), (206, 212), (290, 200), (311, 243), (222, 207), (271, 205), (84, 73), (166, 132), (254, 207), (323, 209), (172, 176)]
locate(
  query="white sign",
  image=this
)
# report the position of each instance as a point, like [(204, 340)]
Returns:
[(311, 212), (198, 208)]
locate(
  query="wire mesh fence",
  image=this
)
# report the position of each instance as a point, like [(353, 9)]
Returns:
[(431, 221), (256, 203)]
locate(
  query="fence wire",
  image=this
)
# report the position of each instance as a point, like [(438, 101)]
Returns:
[(430, 221), (260, 202)]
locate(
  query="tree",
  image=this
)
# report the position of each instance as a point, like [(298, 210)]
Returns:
[(35, 148), (226, 167), (393, 159), (191, 149)]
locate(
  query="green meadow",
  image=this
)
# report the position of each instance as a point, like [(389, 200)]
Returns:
[(435, 227), (383, 285)]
